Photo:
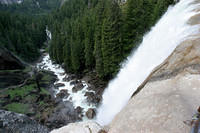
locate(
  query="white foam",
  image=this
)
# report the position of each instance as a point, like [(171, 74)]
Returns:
[(78, 98), (156, 46)]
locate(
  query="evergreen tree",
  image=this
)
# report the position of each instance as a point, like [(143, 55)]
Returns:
[(99, 34), (21, 34), (98, 39), (89, 42), (112, 45)]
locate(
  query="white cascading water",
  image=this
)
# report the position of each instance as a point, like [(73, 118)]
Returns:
[(78, 98), (156, 46)]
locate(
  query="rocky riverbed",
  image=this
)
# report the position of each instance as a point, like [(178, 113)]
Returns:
[(69, 88), (47, 95), (56, 100)]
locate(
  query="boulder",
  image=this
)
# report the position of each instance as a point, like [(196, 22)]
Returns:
[(90, 113), (79, 127), (69, 77), (62, 94), (77, 87), (18, 123), (65, 79), (64, 113), (59, 85), (62, 74), (79, 110), (74, 82), (92, 98), (9, 61)]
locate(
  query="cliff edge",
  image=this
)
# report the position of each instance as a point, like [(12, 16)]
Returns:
[(170, 96)]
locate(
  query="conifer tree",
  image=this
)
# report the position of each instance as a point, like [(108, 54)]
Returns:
[(111, 40), (89, 41), (98, 39)]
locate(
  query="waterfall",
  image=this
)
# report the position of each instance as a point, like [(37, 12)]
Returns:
[(48, 33), (156, 46)]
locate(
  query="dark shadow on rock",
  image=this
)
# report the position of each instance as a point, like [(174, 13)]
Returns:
[(9, 61), (17, 123)]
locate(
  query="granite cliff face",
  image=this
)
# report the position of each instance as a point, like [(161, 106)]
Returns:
[(168, 97)]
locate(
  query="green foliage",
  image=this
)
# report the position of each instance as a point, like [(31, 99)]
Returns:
[(20, 92), (44, 91), (98, 38), (89, 28), (22, 26), (139, 16), (18, 108), (99, 34), (22, 35), (111, 40)]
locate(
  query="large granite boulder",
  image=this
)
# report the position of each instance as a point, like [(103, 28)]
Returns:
[(64, 113), (77, 87), (80, 127), (17, 123)]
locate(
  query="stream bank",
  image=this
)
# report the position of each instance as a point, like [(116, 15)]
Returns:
[(57, 99), (52, 105), (83, 91)]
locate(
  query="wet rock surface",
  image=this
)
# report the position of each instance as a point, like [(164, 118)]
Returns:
[(77, 87), (185, 57), (64, 113), (168, 97), (95, 84), (62, 94), (69, 77), (79, 110), (91, 113), (92, 97), (17, 123), (59, 85), (74, 82)]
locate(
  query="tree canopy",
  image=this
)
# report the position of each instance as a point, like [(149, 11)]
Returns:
[(99, 34)]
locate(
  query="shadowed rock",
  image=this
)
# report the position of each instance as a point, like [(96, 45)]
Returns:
[(63, 114), (17, 123), (77, 87), (9, 61), (92, 98), (59, 85), (90, 113), (62, 94)]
